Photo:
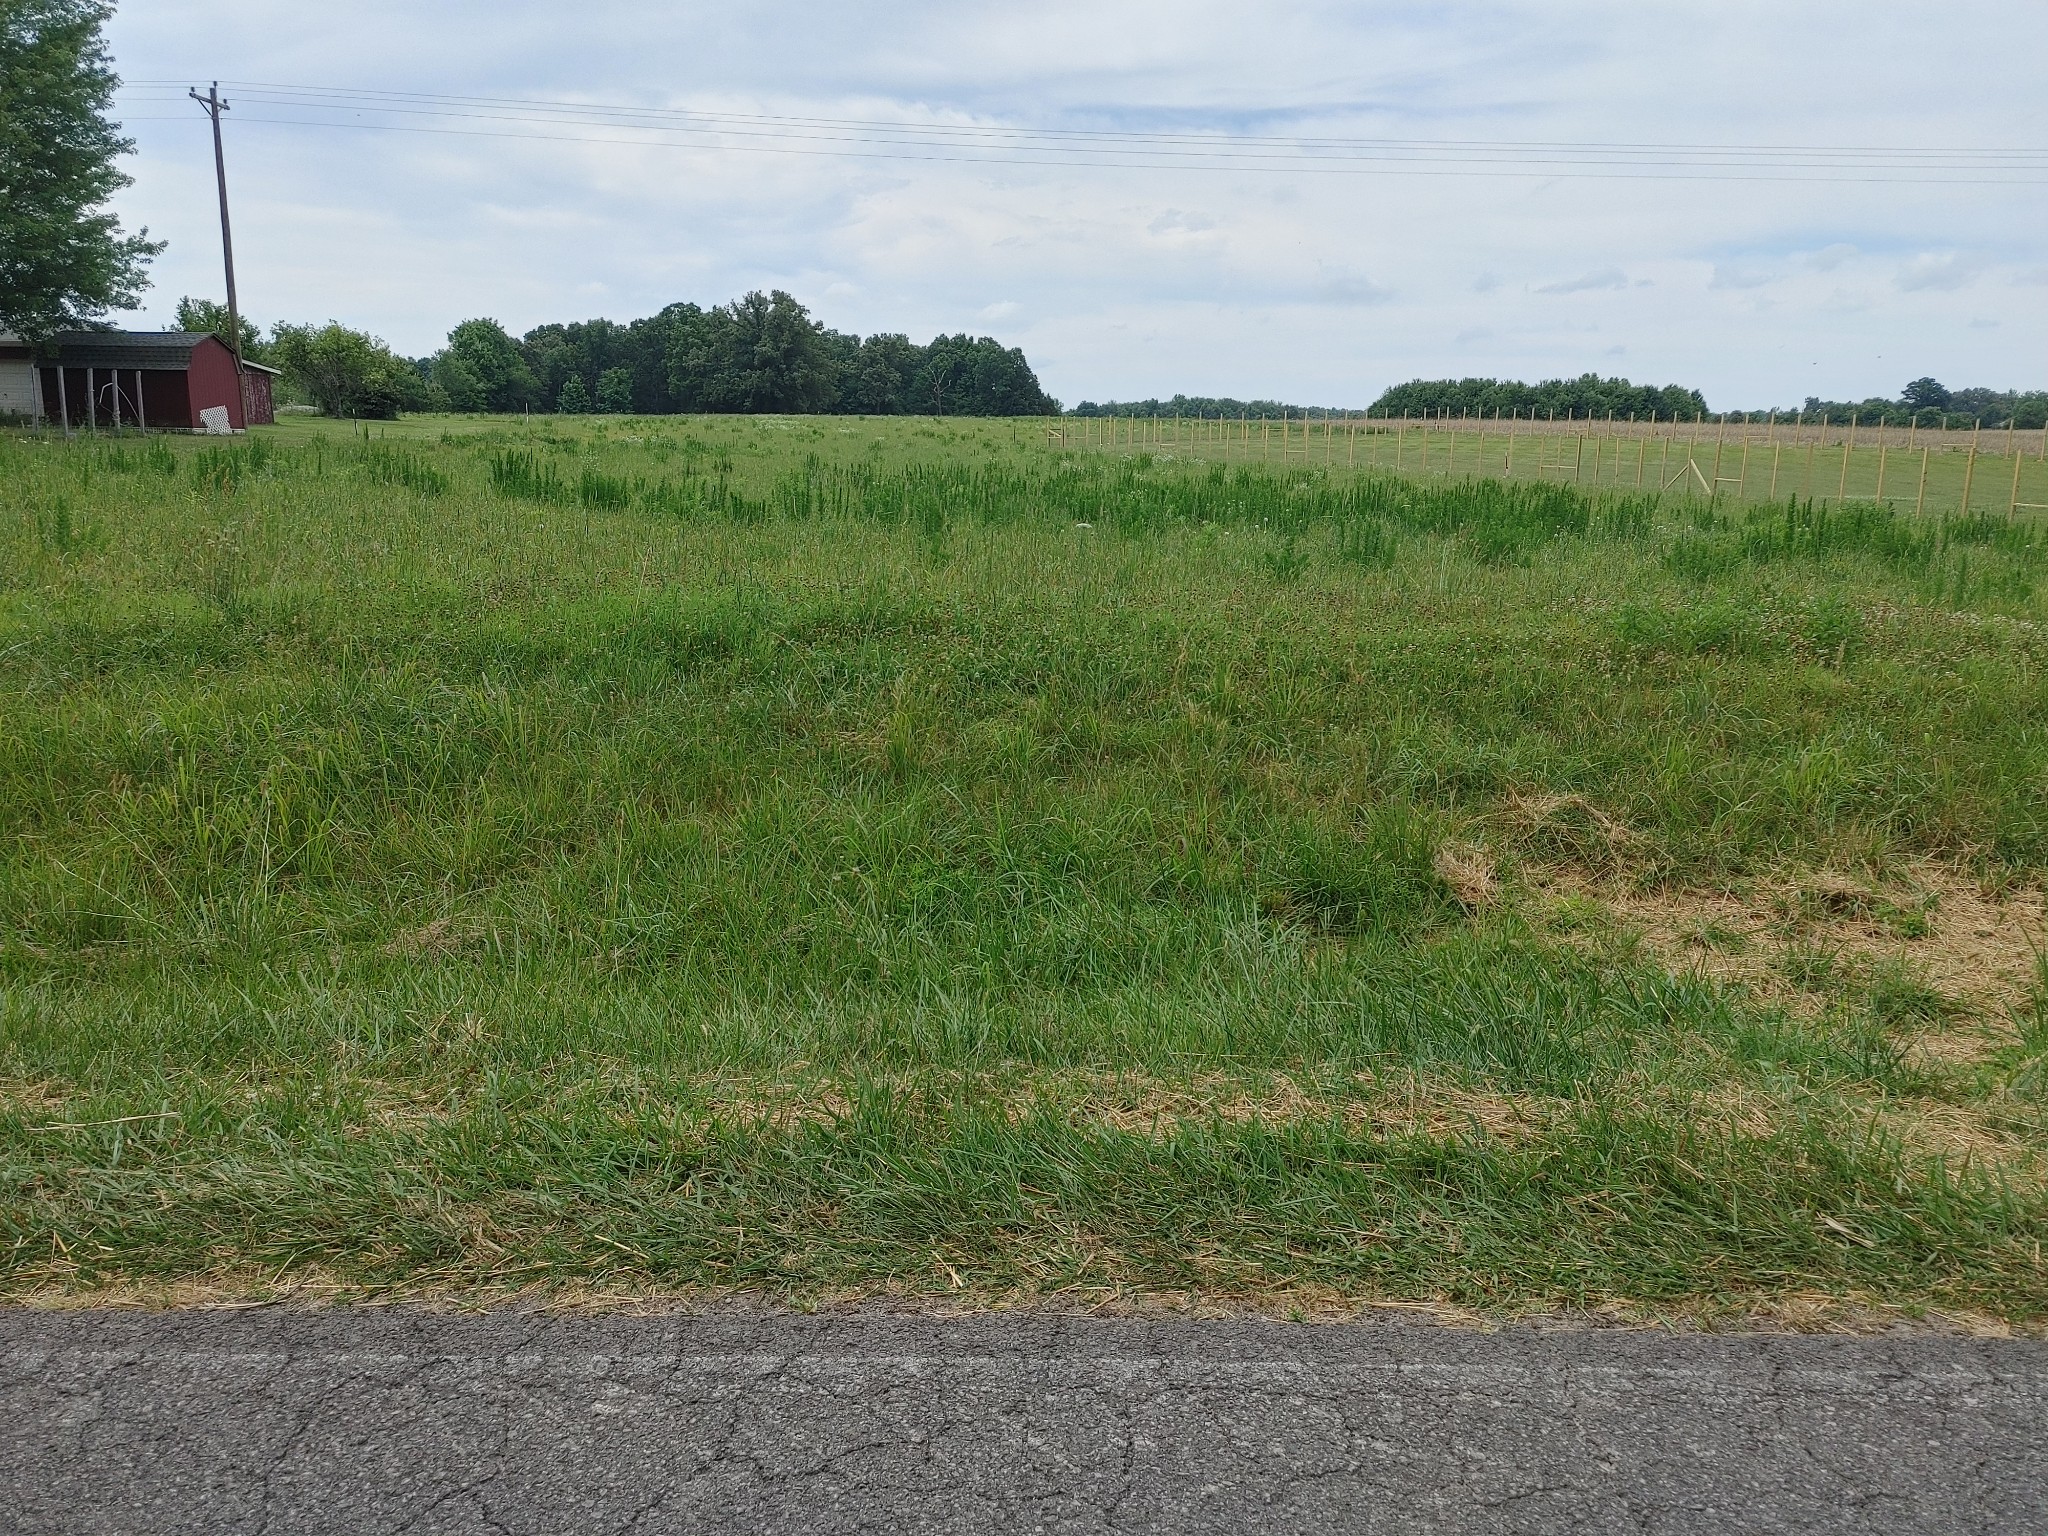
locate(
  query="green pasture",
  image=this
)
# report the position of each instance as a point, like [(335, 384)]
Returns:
[(833, 855)]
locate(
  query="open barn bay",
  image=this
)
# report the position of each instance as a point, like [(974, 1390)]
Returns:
[(831, 856)]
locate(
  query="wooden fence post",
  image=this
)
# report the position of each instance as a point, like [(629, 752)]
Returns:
[(1920, 502)]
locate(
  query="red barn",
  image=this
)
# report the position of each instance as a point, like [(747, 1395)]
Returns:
[(158, 380)]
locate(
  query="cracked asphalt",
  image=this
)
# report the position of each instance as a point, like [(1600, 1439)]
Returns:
[(744, 1419)]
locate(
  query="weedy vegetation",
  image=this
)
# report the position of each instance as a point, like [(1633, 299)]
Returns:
[(833, 856)]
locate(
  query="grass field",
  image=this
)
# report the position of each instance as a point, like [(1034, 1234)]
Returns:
[(834, 856)]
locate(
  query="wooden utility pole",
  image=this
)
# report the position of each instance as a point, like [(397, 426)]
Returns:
[(213, 106)]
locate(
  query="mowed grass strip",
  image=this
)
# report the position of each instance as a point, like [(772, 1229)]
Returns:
[(831, 857), (911, 1193)]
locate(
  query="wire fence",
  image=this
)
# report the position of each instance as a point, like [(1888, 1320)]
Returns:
[(1968, 472)]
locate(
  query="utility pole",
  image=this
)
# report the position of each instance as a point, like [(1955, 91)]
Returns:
[(213, 106)]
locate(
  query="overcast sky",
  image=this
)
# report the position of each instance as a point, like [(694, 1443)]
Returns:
[(1310, 286)]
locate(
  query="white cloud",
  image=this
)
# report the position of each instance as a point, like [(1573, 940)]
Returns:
[(1737, 277), (1590, 282), (1349, 288), (1937, 274), (1829, 257), (1002, 309)]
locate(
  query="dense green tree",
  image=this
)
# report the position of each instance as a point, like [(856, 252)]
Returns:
[(497, 363), (63, 259), (574, 400), (206, 316), (346, 373), (615, 392), (759, 353), (968, 376), (460, 388), (879, 381), (1924, 394)]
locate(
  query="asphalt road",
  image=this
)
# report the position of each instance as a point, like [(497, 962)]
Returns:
[(754, 1421)]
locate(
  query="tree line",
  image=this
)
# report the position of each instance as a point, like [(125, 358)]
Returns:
[(1588, 395), (1926, 402), (759, 354), (1206, 408)]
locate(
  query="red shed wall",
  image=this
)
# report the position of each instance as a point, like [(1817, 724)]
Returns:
[(261, 411), (213, 382), (167, 399)]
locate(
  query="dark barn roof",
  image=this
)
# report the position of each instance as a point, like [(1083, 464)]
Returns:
[(132, 349)]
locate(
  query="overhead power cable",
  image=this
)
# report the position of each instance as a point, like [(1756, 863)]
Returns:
[(331, 107)]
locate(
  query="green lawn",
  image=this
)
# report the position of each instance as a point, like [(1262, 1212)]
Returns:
[(836, 855)]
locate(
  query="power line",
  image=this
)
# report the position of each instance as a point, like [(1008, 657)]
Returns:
[(872, 139)]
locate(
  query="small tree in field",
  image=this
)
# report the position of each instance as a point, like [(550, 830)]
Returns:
[(615, 392), (63, 260), (575, 397)]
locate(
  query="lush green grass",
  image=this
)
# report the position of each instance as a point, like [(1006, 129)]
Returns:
[(824, 853)]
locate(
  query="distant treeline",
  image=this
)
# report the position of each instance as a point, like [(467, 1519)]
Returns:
[(1927, 403), (1924, 400), (1589, 395), (1206, 407), (762, 353)]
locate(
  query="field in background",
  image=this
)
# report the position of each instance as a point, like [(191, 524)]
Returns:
[(833, 855)]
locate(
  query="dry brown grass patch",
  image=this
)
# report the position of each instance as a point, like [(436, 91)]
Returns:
[(1566, 826), (1974, 947), (1468, 870), (431, 940), (1960, 1139), (1136, 1104), (33, 1098)]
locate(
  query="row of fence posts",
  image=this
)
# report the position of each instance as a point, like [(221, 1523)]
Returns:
[(94, 390), (1151, 432)]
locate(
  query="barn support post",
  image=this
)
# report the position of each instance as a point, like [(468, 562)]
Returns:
[(63, 399), (141, 414), (92, 402)]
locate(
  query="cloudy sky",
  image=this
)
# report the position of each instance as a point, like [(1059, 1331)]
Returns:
[(1128, 266)]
